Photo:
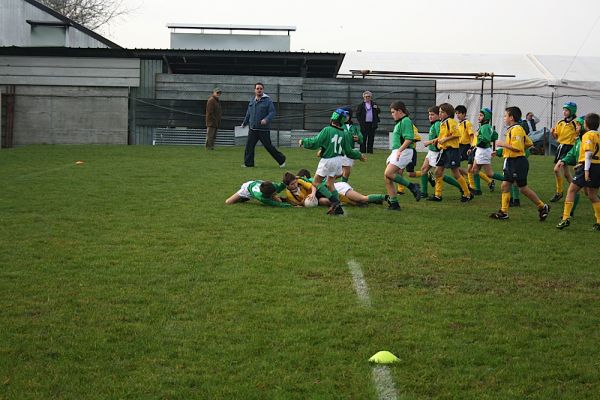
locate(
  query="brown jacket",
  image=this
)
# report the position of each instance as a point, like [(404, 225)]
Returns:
[(213, 112)]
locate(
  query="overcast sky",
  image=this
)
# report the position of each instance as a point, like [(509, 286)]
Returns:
[(432, 26)]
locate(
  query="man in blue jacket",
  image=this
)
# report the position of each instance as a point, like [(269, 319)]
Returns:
[(259, 115)]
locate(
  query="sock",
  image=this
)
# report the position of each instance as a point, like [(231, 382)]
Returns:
[(596, 207), (334, 197), (540, 204), (463, 186), (344, 179), (515, 193), (559, 184), (471, 179), (324, 190), (498, 176), (575, 203), (567, 209), (401, 180), (485, 178), (376, 198), (450, 180), (438, 186), (505, 202), (477, 180), (424, 184), (400, 188), (418, 174)]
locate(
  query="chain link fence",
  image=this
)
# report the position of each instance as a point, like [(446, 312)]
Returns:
[(544, 102)]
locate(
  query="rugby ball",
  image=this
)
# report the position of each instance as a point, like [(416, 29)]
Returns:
[(311, 202)]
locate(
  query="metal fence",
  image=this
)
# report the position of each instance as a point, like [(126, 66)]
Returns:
[(546, 107)]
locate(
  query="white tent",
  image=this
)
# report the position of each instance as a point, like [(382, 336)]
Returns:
[(542, 84)]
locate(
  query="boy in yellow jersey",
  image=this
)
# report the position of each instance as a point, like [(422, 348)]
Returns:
[(449, 157), (565, 133), (516, 165), (297, 190), (465, 133), (587, 172)]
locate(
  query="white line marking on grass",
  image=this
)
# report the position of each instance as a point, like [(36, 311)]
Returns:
[(386, 389), (360, 285), (384, 383)]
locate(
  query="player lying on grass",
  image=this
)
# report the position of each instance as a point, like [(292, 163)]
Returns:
[(347, 193), (298, 190), (263, 191)]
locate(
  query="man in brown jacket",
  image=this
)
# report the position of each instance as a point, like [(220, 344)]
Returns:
[(213, 118)]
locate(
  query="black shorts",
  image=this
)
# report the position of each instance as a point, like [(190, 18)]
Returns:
[(449, 158), (410, 167), (594, 182), (464, 148), (471, 158), (516, 170), (562, 151)]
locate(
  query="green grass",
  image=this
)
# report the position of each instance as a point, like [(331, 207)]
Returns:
[(127, 277)]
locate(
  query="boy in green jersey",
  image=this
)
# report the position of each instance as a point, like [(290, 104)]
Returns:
[(481, 150), (403, 155), (357, 137), (262, 191), (334, 143)]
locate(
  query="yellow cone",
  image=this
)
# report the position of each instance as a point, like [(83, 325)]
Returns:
[(384, 357)]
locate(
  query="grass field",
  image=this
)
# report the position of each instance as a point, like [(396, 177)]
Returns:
[(128, 278)]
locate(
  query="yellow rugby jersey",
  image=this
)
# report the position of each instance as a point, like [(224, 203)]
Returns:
[(590, 142), (465, 131), (517, 138), (566, 132), (297, 198), (448, 128)]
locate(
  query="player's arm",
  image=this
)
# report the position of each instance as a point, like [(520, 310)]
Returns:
[(359, 135), (313, 143)]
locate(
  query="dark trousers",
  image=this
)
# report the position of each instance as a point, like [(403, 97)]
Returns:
[(368, 132), (211, 135), (265, 138)]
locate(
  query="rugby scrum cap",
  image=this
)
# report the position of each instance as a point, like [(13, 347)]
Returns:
[(487, 113), (338, 114), (572, 107)]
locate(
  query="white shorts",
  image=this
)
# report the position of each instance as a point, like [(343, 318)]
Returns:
[(432, 157), (243, 192), (405, 158), (347, 161), (342, 187), (330, 167), (483, 156)]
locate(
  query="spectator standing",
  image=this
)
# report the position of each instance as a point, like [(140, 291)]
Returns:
[(259, 115), (529, 123), (367, 114), (213, 118)]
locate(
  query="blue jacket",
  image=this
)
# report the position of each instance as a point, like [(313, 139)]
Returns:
[(259, 110)]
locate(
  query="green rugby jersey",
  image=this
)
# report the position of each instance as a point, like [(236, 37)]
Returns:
[(434, 132), (254, 189), (354, 130), (403, 130), (334, 141)]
